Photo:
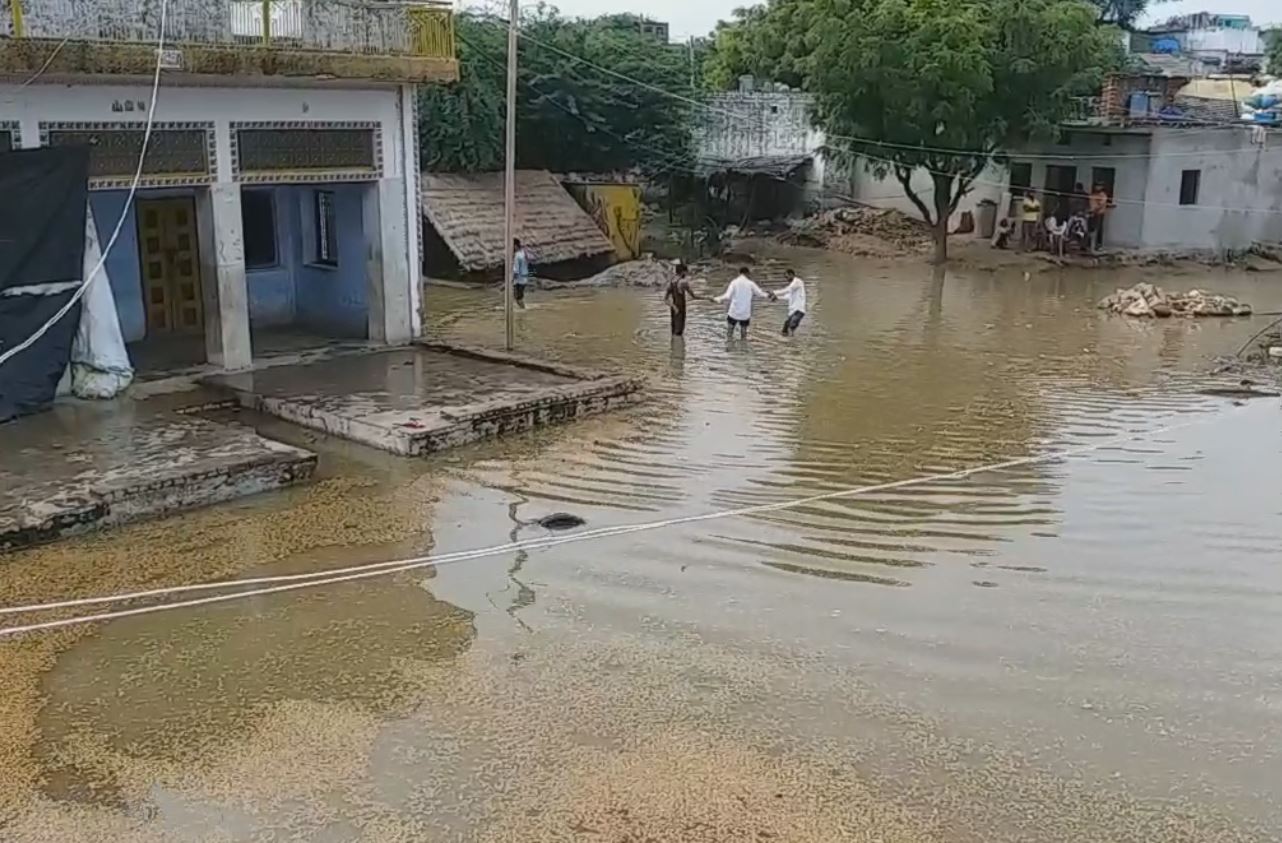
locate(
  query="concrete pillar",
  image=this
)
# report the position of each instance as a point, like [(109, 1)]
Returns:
[(222, 245), (387, 272)]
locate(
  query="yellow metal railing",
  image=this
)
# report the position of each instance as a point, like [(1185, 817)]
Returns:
[(431, 31), (19, 29), (387, 27)]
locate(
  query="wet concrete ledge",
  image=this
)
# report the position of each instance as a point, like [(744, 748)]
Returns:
[(77, 469), (427, 397)]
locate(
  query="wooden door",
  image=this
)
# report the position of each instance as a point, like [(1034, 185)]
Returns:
[(170, 265)]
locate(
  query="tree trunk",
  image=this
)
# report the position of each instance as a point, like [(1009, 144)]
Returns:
[(943, 210), (941, 241)]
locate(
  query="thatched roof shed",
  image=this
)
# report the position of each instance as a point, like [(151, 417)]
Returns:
[(466, 212)]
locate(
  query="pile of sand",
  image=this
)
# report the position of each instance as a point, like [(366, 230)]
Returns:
[(1149, 300), (862, 231), (644, 272)]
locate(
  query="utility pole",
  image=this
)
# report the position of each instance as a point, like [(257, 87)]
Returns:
[(509, 175)]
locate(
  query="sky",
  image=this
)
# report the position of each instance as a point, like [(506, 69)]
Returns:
[(698, 17)]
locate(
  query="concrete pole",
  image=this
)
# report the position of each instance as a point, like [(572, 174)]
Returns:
[(509, 175)]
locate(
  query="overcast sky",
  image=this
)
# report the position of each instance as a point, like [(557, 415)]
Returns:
[(698, 17)]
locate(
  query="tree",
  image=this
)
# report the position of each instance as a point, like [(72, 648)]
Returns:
[(1273, 51), (1122, 13), (575, 111), (944, 86)]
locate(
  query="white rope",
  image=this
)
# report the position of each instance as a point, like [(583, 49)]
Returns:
[(124, 212), (374, 569)]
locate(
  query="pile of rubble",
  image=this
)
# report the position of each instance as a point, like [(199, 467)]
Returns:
[(1149, 300), (861, 231), (643, 272)]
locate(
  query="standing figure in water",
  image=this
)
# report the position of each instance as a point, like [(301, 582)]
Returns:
[(740, 294), (675, 296), (795, 295)]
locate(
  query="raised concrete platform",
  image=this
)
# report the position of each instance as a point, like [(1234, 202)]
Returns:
[(418, 400), (87, 465)]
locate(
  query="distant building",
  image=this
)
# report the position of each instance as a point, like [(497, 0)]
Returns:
[(1226, 43), (764, 135), (658, 30), (279, 191), (1183, 171)]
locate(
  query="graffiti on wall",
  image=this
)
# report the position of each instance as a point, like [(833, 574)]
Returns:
[(616, 209)]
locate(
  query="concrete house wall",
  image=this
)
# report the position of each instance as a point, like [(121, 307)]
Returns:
[(1127, 153), (372, 291), (751, 124), (1239, 198)]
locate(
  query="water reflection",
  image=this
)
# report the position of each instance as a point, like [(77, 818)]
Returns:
[(1079, 649)]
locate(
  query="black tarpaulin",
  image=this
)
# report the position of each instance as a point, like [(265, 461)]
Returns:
[(42, 249)]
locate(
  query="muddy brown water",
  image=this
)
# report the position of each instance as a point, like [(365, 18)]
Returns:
[(1086, 649)]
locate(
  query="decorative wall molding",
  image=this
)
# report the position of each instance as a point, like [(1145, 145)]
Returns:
[(113, 181), (307, 174)]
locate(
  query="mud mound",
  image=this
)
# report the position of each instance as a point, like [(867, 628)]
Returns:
[(645, 272), (862, 231), (1149, 300)]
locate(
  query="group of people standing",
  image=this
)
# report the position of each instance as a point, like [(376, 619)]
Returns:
[(739, 296), (1077, 217)]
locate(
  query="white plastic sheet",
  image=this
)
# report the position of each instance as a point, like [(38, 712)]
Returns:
[(100, 366)]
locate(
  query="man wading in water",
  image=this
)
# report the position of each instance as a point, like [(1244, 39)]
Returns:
[(740, 294), (675, 296)]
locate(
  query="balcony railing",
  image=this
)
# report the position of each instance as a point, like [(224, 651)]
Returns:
[(375, 27), (1084, 110)]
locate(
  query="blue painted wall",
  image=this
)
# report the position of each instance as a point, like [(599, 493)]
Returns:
[(333, 300), (122, 261), (271, 291), (324, 299)]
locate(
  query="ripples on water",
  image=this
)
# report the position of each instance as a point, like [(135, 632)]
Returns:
[(1142, 577), (1078, 649)]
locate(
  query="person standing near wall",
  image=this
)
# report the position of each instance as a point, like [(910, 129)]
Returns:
[(520, 272), (1030, 216), (1095, 222)]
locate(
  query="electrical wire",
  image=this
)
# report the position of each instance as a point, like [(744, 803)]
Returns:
[(9, 353), (294, 582), (861, 154), (850, 138)]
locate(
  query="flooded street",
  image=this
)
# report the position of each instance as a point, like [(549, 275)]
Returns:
[(1082, 649)]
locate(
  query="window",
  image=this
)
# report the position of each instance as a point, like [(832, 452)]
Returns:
[(1106, 176), (1021, 176), (326, 233), (258, 221), (1190, 181)]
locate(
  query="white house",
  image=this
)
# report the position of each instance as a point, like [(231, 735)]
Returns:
[(279, 198)]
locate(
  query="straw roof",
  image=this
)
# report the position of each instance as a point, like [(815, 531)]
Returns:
[(467, 211)]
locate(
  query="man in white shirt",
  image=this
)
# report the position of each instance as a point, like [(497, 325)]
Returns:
[(740, 293), (795, 294)]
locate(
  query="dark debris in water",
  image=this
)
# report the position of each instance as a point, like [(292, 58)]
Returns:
[(561, 521)]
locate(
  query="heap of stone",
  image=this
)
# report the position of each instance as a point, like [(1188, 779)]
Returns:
[(852, 229), (643, 272), (1149, 300)]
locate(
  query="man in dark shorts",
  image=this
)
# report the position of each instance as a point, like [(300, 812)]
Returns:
[(675, 295), (740, 293)]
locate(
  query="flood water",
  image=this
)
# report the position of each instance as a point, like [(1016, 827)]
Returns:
[(1084, 649)]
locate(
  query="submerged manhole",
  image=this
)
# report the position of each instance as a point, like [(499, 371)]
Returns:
[(561, 521)]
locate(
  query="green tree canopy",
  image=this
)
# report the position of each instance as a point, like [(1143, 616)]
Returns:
[(943, 86), (573, 113), (1273, 51)]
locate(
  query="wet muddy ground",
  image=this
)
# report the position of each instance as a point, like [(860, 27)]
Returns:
[(1084, 649)]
